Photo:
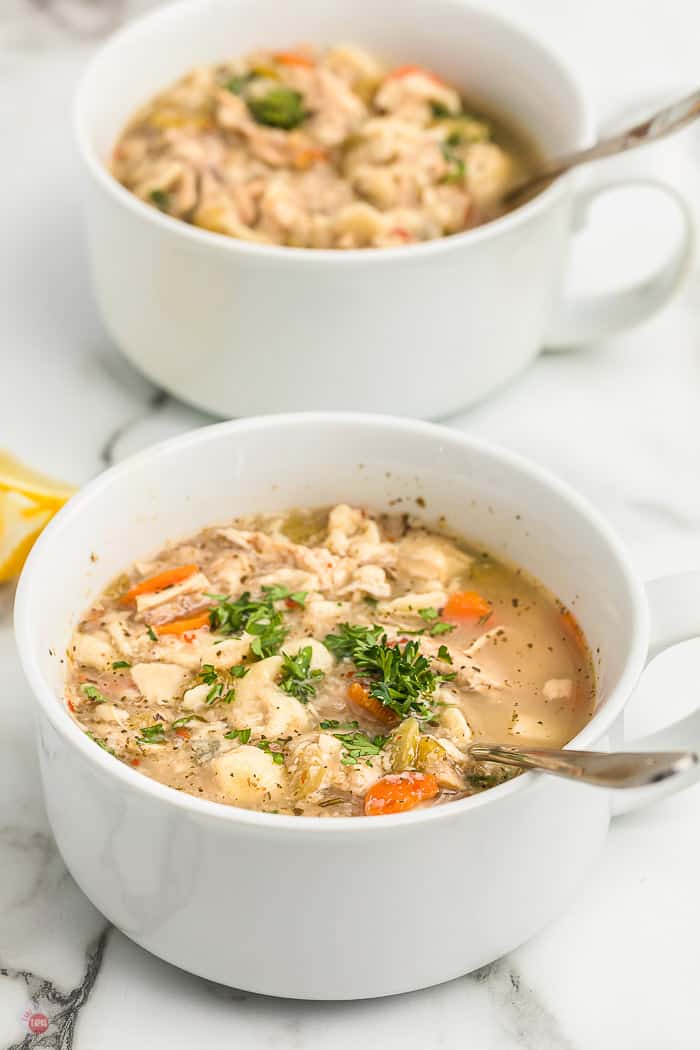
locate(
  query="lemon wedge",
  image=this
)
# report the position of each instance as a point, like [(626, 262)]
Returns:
[(28, 501)]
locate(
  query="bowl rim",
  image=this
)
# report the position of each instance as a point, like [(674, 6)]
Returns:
[(151, 20), (128, 778)]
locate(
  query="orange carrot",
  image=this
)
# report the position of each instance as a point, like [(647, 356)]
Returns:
[(191, 623), (409, 70), (306, 158), (293, 58), (183, 732), (466, 605), (357, 694), (398, 792), (160, 581)]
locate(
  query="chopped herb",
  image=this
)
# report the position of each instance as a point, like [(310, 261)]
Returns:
[(400, 678), (119, 664), (266, 746), (93, 693), (180, 722), (453, 139), (237, 83), (428, 614), (152, 634), (441, 628), (457, 168), (279, 108), (331, 802), (299, 598), (333, 723), (160, 198), (256, 616), (371, 601), (444, 654), (358, 745), (218, 686), (297, 676), (276, 593), (154, 734), (239, 734), (238, 672), (439, 109), (101, 743)]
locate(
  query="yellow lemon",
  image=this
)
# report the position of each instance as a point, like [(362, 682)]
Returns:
[(28, 500)]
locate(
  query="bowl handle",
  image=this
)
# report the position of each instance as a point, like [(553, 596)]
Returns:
[(674, 604), (578, 321)]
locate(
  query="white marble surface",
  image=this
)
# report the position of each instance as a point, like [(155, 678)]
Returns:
[(620, 421)]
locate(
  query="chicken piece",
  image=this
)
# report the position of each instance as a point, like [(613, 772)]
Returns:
[(225, 652), (248, 776), (92, 650), (292, 579), (367, 579), (157, 682), (195, 699), (322, 616), (455, 727), (412, 95), (229, 570), (489, 172), (353, 534), (423, 556), (195, 584)]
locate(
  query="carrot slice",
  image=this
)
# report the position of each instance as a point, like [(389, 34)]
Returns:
[(184, 732), (399, 792), (160, 581), (306, 158), (466, 605), (293, 58), (191, 623), (409, 69), (360, 696)]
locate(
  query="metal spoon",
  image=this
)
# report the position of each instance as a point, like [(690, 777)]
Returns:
[(669, 119), (622, 769)]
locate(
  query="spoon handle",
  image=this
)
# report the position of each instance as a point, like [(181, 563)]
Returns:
[(668, 119), (622, 769)]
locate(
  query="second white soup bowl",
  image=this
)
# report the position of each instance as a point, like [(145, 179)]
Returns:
[(238, 328), (334, 908)]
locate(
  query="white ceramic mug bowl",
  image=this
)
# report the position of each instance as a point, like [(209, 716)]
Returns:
[(238, 328), (261, 901)]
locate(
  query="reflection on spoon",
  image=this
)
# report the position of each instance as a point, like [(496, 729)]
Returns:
[(670, 118), (623, 769)]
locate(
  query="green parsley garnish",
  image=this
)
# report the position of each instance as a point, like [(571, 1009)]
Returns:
[(160, 198), (266, 746), (218, 686), (93, 693), (239, 734), (444, 654), (154, 734), (298, 597), (297, 677), (280, 107), (118, 664), (358, 745), (428, 614), (237, 83), (439, 109), (101, 743), (333, 723), (400, 678), (180, 722), (256, 616), (152, 634), (441, 627), (238, 672), (457, 168)]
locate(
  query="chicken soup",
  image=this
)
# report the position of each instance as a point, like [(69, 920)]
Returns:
[(320, 150), (329, 662)]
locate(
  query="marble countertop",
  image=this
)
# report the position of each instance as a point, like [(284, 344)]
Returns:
[(620, 421)]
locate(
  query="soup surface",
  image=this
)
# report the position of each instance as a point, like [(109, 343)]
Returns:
[(330, 663), (319, 150)]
